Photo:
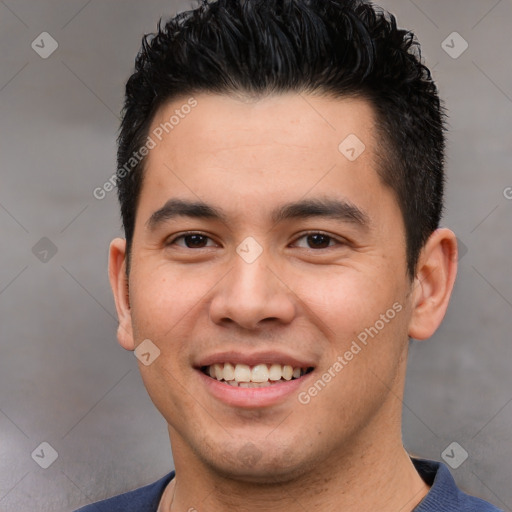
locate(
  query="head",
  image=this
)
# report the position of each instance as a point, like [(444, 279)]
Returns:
[(285, 211)]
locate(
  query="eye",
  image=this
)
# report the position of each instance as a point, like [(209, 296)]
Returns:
[(192, 241), (316, 240)]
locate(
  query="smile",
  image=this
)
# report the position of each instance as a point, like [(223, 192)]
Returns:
[(257, 376)]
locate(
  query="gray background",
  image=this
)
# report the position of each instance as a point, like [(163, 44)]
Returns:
[(63, 378)]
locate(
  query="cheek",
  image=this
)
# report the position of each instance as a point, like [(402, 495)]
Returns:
[(164, 309), (363, 320), (345, 300), (162, 298)]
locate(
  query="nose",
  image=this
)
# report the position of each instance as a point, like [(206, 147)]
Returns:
[(251, 295)]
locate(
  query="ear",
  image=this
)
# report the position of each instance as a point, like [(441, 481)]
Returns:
[(433, 283), (119, 284)]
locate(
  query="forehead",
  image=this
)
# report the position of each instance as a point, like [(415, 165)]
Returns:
[(256, 152), (302, 122)]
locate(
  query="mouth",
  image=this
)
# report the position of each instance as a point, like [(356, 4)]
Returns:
[(256, 376)]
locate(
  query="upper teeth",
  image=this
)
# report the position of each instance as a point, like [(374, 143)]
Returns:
[(258, 373)]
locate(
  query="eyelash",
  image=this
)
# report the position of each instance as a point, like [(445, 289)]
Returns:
[(304, 235)]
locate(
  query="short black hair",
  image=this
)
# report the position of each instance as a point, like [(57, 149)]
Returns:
[(340, 48)]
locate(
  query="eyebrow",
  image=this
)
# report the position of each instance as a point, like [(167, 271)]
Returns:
[(342, 210)]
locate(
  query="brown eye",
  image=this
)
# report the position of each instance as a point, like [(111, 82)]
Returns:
[(316, 241), (192, 241)]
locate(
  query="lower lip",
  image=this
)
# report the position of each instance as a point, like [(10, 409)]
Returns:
[(253, 397)]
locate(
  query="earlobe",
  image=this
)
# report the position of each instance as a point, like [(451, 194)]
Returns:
[(119, 283), (433, 284)]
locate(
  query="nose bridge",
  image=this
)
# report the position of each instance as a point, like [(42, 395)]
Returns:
[(251, 292), (253, 280)]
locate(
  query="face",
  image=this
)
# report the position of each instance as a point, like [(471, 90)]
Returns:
[(265, 251)]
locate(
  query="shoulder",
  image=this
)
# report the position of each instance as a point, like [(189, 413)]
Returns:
[(444, 495), (145, 499)]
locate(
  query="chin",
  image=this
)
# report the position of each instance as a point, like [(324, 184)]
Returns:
[(247, 462)]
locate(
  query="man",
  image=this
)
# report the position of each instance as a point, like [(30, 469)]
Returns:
[(281, 182)]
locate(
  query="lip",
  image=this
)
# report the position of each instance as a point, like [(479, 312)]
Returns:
[(252, 398)]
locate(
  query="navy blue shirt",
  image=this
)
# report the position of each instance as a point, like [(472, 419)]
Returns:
[(444, 496)]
